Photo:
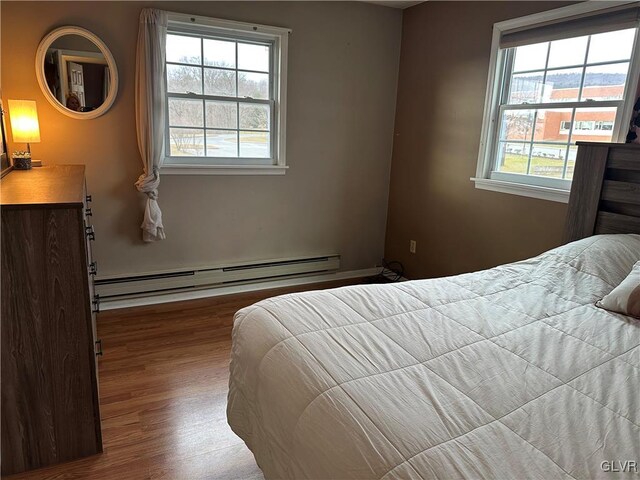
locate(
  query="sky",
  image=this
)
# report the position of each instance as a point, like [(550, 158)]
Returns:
[(217, 53), (604, 47)]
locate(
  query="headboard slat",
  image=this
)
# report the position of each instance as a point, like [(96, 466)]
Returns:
[(624, 192), (622, 208), (608, 222), (624, 159)]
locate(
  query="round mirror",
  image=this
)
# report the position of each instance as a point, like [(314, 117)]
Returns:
[(76, 72)]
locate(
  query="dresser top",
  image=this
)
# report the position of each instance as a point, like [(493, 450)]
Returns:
[(55, 185)]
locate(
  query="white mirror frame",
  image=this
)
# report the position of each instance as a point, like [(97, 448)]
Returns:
[(46, 43)]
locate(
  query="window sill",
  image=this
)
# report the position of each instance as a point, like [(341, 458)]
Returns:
[(223, 170), (533, 191)]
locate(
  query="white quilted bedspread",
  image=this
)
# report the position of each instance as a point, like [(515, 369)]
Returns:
[(506, 373)]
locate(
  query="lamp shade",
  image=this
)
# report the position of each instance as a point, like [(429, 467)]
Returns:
[(24, 121)]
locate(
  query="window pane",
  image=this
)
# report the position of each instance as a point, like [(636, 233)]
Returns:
[(219, 82), (611, 46), (222, 114), (563, 85), (568, 52), (183, 79), (222, 143), (593, 124), (517, 125), (254, 144), (254, 85), (531, 57), (571, 162), (526, 88), (185, 113), (183, 49), (254, 117), (605, 82), (513, 157), (218, 53), (186, 142), (253, 57), (547, 160), (550, 123)]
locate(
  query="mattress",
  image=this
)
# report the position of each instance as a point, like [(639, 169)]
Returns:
[(511, 372)]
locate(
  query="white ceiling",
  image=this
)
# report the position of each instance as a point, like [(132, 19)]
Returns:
[(393, 3)]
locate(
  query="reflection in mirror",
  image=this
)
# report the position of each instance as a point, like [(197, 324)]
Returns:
[(77, 73)]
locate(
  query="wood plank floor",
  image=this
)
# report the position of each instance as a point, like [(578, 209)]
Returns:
[(163, 391)]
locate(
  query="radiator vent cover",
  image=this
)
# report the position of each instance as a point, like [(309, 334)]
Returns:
[(204, 278)]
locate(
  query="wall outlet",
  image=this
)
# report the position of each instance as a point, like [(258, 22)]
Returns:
[(412, 246)]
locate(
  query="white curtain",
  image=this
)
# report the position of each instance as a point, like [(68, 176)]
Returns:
[(150, 114)]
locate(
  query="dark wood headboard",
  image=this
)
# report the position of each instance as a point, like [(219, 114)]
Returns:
[(605, 192)]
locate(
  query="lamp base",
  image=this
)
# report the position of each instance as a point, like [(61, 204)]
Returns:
[(22, 163)]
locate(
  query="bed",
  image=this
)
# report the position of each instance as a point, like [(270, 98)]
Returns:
[(511, 372)]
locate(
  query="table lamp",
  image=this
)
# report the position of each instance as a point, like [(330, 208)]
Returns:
[(24, 129)]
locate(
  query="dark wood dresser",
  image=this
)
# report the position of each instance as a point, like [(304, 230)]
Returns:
[(50, 410)]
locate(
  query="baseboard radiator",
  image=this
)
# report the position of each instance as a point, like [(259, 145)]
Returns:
[(205, 278)]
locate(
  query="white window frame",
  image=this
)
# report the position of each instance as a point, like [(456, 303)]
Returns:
[(278, 38), (526, 185)]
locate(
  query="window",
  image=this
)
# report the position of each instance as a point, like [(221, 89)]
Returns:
[(552, 87), (604, 126), (225, 97)]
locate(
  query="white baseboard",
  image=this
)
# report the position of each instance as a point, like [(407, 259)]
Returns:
[(111, 304)]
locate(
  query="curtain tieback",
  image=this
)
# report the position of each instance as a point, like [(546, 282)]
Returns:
[(149, 183)]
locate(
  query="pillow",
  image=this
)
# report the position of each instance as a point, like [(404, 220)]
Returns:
[(625, 298)]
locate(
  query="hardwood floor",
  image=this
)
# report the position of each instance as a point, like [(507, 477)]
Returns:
[(163, 391)]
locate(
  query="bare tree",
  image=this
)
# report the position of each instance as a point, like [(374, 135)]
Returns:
[(192, 114)]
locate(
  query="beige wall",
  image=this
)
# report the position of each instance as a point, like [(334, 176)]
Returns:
[(343, 66), (441, 91)]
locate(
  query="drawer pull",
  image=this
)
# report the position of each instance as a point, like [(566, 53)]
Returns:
[(91, 234), (93, 268), (99, 352), (88, 212), (88, 198), (96, 303)]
